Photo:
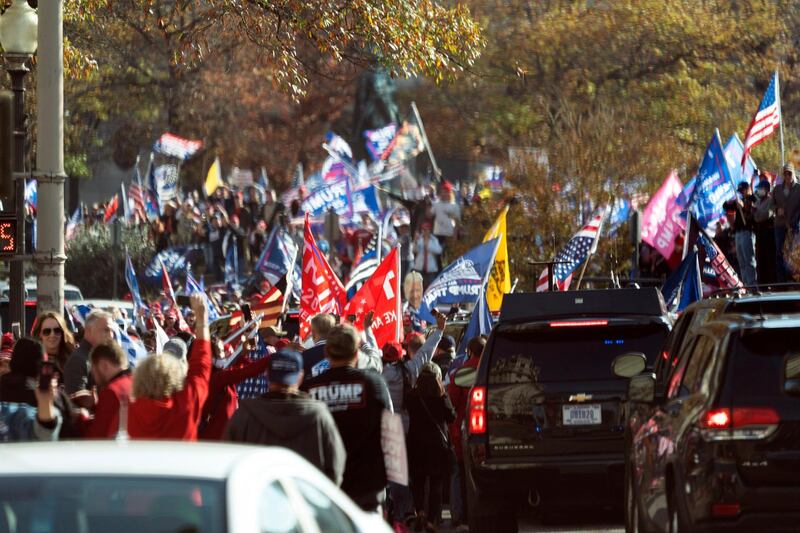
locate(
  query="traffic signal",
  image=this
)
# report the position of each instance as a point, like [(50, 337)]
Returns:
[(7, 149)]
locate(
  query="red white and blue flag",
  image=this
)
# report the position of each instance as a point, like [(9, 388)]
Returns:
[(172, 145), (766, 120), (726, 275), (577, 250)]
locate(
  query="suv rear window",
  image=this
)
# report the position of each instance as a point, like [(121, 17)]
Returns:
[(533, 352), (759, 364)]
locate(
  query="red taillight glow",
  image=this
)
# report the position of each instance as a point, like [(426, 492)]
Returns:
[(722, 510), (717, 419), (739, 423), (578, 323), (754, 416), (477, 411)]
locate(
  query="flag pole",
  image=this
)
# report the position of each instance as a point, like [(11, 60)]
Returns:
[(780, 113), (398, 287), (425, 140)]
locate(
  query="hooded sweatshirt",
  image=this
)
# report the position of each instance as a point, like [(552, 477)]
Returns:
[(177, 416), (293, 421)]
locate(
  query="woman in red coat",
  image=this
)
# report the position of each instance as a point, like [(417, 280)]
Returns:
[(165, 405)]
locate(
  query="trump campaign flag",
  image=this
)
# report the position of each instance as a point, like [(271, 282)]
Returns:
[(381, 141), (381, 294), (322, 291), (713, 185), (578, 249), (766, 120), (278, 257), (461, 282), (500, 278), (726, 275), (661, 220)]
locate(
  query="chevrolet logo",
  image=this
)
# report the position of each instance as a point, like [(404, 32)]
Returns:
[(580, 397)]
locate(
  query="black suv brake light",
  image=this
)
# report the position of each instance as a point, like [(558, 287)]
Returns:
[(477, 411), (739, 423)]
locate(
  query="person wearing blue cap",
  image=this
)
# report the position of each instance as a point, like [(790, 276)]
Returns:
[(287, 417)]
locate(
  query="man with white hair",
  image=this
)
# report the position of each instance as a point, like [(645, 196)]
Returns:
[(78, 382)]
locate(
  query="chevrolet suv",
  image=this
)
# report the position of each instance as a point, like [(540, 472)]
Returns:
[(545, 417)]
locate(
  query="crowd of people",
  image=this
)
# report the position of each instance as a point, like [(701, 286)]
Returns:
[(425, 224), (324, 401)]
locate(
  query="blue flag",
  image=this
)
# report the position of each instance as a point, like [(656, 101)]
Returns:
[(278, 256), (480, 323), (673, 283), (692, 287), (133, 285), (734, 151), (133, 348), (175, 260), (620, 212), (713, 185), (461, 282), (192, 287)]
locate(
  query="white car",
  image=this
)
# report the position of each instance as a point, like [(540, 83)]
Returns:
[(141, 487), (71, 292)]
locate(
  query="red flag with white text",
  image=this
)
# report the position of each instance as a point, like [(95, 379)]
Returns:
[(322, 291), (380, 294)]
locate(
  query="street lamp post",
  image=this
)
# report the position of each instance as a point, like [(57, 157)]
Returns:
[(18, 32)]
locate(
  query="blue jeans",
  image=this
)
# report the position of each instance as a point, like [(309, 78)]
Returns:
[(746, 254), (780, 239)]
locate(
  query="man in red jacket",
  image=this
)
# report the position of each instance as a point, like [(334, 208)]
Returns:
[(167, 406), (459, 396), (222, 399), (109, 367)]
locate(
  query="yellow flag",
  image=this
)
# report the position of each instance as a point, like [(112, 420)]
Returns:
[(213, 178), (500, 279)]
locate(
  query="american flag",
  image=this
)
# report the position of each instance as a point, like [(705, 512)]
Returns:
[(74, 223), (577, 250), (365, 267), (726, 275), (137, 202), (269, 305), (766, 120), (169, 144)]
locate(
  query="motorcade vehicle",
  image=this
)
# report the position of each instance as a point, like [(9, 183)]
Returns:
[(123, 306), (545, 418), (139, 486), (715, 442)]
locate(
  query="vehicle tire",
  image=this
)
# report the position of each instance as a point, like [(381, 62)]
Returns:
[(677, 519), (486, 516)]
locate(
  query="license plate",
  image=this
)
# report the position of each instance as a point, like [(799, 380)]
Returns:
[(581, 415)]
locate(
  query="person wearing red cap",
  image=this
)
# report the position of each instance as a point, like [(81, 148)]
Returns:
[(446, 214), (400, 375)]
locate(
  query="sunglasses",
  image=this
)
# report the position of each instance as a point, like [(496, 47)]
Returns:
[(54, 331)]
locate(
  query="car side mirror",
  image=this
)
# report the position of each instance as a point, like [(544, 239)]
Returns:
[(629, 364), (642, 388), (465, 377)]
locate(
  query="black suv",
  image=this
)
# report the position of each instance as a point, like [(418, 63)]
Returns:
[(545, 419), (720, 449)]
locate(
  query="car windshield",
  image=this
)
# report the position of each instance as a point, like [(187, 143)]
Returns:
[(527, 353), (106, 503)]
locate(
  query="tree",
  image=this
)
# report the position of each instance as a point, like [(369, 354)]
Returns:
[(616, 93)]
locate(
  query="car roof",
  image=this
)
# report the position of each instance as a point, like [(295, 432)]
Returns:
[(198, 460), (643, 302), (106, 303)]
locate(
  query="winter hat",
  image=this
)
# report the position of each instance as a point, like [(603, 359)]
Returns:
[(285, 367), (447, 343), (26, 357), (431, 368), (392, 352), (763, 184), (788, 167)]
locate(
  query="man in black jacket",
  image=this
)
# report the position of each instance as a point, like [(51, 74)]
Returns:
[(357, 399), (290, 418)]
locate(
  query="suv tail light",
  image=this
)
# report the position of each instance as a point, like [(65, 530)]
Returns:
[(739, 423), (477, 411)]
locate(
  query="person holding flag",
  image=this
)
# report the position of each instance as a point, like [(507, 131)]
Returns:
[(578, 250)]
